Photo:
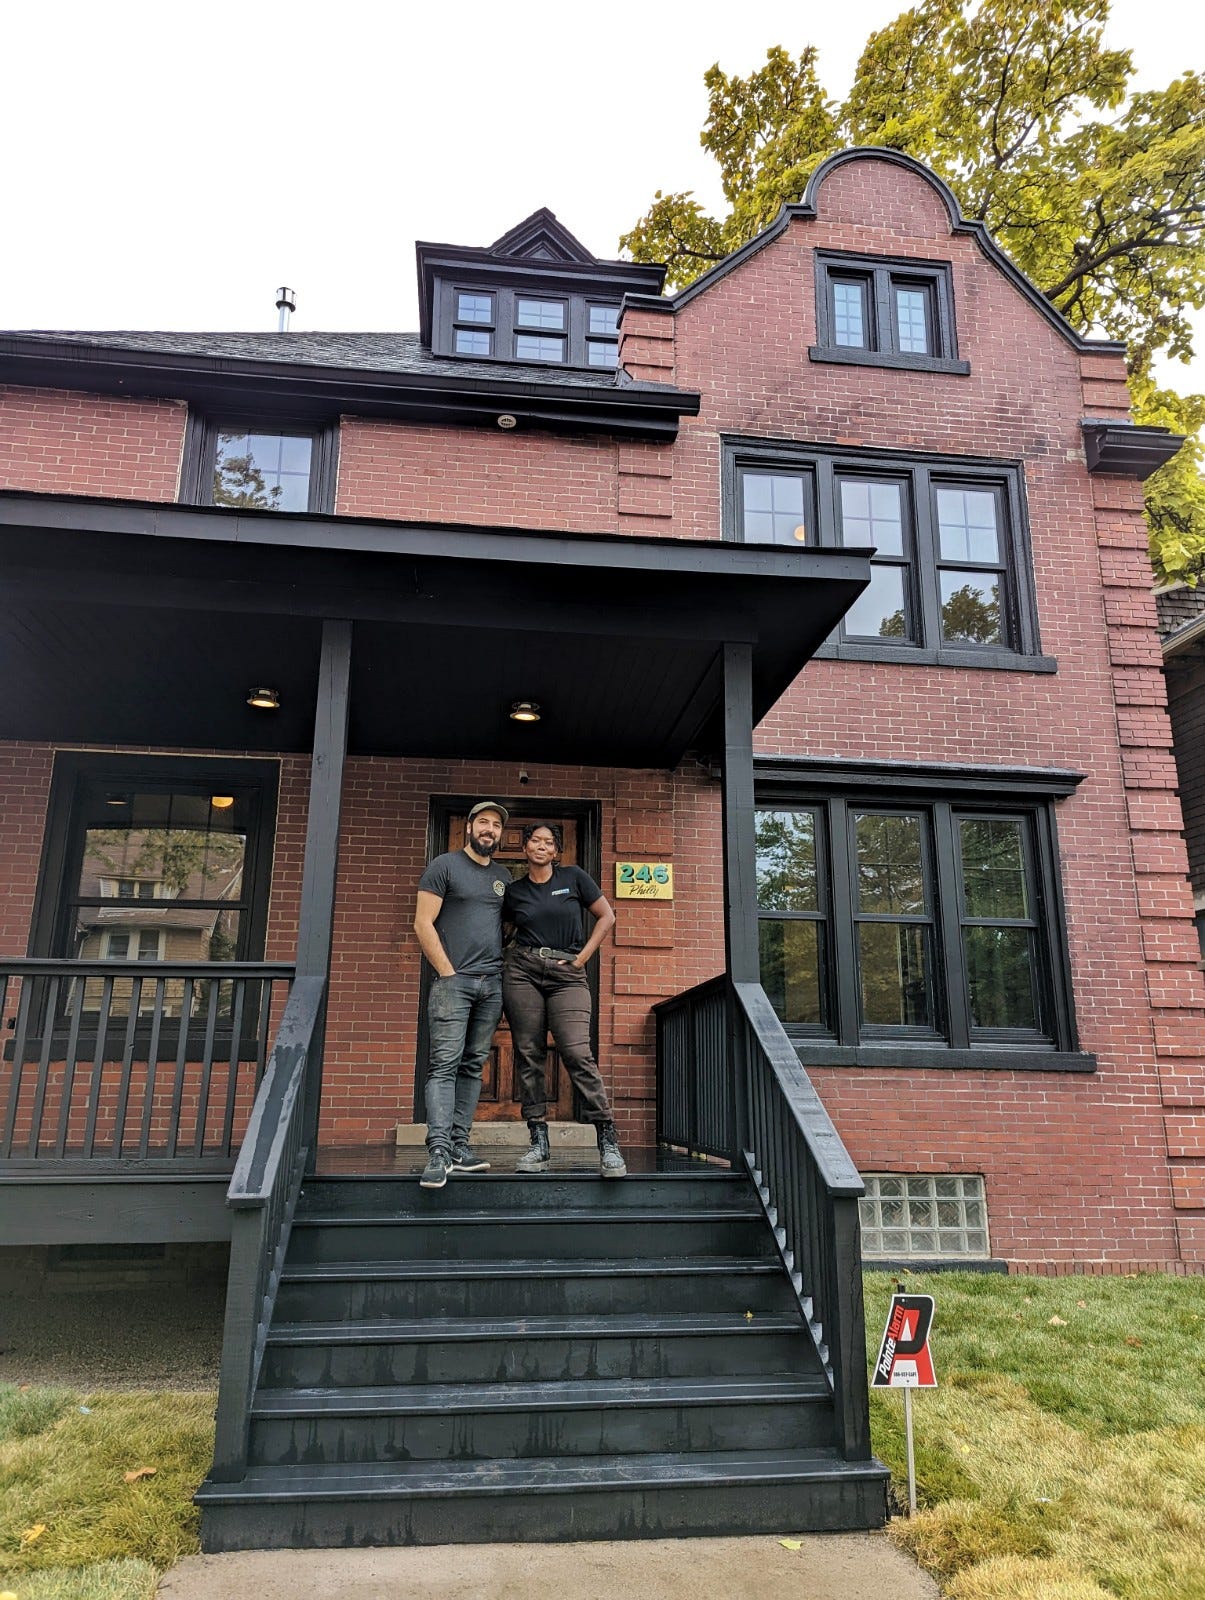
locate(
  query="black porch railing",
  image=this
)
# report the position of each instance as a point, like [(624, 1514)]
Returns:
[(121, 1061), (730, 1084), (263, 1196)]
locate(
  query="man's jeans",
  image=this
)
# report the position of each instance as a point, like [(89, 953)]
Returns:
[(462, 1014)]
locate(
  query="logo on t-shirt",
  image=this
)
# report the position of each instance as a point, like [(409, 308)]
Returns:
[(555, 892), (499, 886)]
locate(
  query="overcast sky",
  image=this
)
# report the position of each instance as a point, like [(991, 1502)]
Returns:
[(168, 166)]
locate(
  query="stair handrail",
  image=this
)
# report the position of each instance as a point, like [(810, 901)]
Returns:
[(730, 1084), (263, 1196), (809, 1188)]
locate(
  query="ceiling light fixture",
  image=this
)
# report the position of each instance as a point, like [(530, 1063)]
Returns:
[(524, 711), (221, 802), (264, 699)]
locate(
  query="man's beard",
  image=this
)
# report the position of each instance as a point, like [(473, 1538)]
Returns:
[(483, 847)]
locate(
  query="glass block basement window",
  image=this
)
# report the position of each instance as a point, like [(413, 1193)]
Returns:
[(923, 1215)]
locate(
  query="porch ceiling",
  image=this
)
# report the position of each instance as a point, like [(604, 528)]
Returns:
[(128, 623)]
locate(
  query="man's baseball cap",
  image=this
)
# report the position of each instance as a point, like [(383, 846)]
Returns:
[(490, 805)]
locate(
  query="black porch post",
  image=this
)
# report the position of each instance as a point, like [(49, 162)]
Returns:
[(316, 926), (740, 876)]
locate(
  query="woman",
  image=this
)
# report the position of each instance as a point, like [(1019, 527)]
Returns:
[(545, 989)]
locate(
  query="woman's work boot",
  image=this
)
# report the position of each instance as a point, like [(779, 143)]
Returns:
[(539, 1157), (610, 1159)]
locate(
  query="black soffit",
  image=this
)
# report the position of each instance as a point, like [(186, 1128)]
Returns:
[(134, 623)]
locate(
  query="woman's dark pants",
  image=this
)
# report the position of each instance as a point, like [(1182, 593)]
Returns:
[(542, 996)]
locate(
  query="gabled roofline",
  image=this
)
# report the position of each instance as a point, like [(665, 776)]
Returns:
[(806, 210), (542, 224)]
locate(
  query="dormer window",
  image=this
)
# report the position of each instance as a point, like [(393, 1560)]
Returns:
[(540, 329), (536, 297), (474, 323), (602, 336)]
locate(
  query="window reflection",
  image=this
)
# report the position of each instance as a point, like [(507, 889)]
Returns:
[(262, 471), (161, 878)]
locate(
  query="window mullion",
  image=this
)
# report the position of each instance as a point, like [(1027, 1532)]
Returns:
[(925, 533), (826, 501), (947, 911), (845, 956), (883, 333)]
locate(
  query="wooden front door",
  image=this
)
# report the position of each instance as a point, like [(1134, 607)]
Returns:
[(500, 1094)]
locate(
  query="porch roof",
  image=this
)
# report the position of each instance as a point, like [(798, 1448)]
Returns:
[(138, 623)]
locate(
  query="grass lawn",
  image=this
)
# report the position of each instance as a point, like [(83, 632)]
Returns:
[(64, 1457), (1061, 1458)]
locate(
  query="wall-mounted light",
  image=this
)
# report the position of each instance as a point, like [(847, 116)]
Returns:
[(524, 711), (264, 699), (507, 421), (221, 802)]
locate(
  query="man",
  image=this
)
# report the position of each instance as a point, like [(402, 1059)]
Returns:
[(459, 926)]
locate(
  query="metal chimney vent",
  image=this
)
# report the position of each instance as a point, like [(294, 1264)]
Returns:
[(286, 304)]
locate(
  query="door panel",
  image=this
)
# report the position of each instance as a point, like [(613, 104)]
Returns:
[(500, 1096)]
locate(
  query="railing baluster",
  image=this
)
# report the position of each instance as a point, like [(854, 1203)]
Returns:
[(211, 1028), (127, 1066), (236, 1039), (152, 1067), (76, 987), (173, 1131), (62, 1037), (19, 1042), (805, 1177), (98, 1064), (39, 1100)]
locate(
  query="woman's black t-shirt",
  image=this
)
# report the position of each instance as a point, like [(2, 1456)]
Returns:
[(550, 914)]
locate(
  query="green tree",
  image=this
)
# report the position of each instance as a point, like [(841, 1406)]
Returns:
[(1096, 193)]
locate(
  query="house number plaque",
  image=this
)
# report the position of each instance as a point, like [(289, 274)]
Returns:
[(644, 880)]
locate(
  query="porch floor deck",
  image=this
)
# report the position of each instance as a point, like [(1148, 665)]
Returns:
[(398, 1161)]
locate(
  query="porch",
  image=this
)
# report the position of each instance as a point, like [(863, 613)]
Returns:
[(127, 1082)]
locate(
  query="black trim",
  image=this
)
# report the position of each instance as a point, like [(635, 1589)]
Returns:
[(941, 779), (880, 276), (73, 771), (924, 470), (200, 449), (295, 392), (1129, 449), (943, 793)]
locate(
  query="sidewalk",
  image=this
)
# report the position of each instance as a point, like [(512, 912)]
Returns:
[(831, 1566)]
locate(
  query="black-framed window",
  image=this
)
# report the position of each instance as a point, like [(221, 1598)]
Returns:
[(951, 574), (915, 918), (258, 464), (534, 326), (474, 322), (602, 335), (192, 836), (885, 312)]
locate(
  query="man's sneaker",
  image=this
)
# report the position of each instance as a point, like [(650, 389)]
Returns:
[(539, 1157), (611, 1162), (466, 1159), (435, 1173)]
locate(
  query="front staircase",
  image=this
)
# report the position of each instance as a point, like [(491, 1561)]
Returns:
[(542, 1358)]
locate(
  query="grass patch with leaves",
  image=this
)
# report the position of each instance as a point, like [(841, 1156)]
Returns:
[(65, 1504), (1063, 1455)]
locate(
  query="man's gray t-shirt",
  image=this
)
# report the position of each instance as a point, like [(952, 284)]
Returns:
[(470, 920)]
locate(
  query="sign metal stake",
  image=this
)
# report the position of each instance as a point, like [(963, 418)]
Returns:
[(906, 1362)]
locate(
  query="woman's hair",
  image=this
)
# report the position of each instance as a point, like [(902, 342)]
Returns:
[(554, 828)]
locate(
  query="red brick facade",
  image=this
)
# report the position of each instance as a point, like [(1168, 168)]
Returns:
[(1084, 1172)]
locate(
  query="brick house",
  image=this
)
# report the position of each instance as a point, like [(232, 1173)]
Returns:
[(827, 578)]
